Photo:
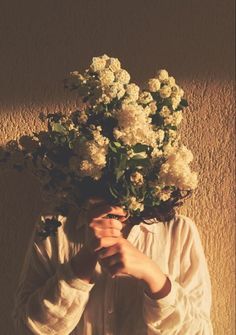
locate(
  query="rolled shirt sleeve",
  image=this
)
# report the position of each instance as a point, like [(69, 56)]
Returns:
[(186, 309), (47, 300)]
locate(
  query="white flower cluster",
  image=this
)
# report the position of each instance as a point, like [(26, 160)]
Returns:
[(166, 87), (176, 171), (149, 117), (104, 81), (135, 205), (137, 178), (135, 125), (91, 156)]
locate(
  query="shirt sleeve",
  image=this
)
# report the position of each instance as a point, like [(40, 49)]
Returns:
[(186, 309), (47, 300)]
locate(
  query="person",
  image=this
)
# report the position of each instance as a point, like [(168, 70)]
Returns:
[(103, 275)]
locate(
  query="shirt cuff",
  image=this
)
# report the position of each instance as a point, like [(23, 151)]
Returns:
[(66, 273), (168, 300), (158, 309)]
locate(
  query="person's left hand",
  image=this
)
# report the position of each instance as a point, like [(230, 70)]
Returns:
[(123, 258)]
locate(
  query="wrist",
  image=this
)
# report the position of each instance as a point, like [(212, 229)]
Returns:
[(83, 264), (156, 284)]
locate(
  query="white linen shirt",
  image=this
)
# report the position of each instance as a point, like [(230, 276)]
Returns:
[(50, 299)]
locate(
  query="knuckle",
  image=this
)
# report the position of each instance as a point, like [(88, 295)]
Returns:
[(97, 234), (113, 231), (112, 222), (91, 224)]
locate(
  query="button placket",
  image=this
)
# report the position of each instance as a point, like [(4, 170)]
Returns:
[(109, 306)]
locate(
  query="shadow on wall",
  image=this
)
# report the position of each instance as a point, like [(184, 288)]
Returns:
[(20, 204), (41, 42)]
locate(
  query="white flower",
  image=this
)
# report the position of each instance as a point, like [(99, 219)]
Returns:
[(106, 77), (172, 133), (145, 98), (170, 81), (175, 101), (177, 118), (153, 107), (83, 117), (135, 125), (176, 170), (175, 90), (165, 91), (161, 135), (163, 195), (98, 64), (156, 153), (165, 111), (169, 148), (137, 178), (168, 120), (162, 75), (135, 204), (116, 90), (113, 64), (133, 91), (89, 169), (92, 155), (154, 85), (122, 76), (117, 133)]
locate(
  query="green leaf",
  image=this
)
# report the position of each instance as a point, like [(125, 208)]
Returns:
[(119, 173), (140, 147), (117, 144), (112, 148), (113, 192), (133, 190), (58, 128), (184, 103), (123, 162)]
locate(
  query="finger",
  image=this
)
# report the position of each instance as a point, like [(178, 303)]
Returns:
[(106, 223), (108, 232), (101, 211), (116, 210), (115, 269), (110, 261), (105, 242), (107, 252)]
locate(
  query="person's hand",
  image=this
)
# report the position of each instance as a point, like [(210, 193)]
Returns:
[(103, 231), (123, 259)]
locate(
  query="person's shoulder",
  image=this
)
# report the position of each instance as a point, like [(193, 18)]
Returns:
[(180, 225), (183, 223), (185, 229)]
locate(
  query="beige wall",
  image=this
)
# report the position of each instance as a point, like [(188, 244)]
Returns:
[(42, 41)]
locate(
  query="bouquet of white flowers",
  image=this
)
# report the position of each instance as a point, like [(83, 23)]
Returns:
[(122, 143)]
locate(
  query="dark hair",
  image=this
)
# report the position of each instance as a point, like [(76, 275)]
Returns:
[(166, 210), (163, 212)]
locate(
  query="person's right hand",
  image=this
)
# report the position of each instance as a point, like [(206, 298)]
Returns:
[(103, 231)]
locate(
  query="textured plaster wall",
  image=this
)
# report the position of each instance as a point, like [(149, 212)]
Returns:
[(42, 41)]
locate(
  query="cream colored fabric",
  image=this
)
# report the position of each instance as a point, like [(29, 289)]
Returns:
[(51, 300)]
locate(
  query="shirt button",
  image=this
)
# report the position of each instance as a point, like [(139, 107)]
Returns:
[(110, 310)]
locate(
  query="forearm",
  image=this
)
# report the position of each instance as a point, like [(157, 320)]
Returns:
[(44, 308), (169, 312), (83, 264), (157, 284)]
